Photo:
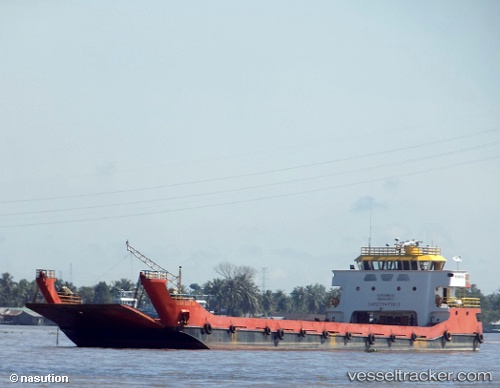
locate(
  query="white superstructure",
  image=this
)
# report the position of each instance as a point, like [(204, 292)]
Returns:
[(401, 285)]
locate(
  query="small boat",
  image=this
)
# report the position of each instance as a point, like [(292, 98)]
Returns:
[(393, 298)]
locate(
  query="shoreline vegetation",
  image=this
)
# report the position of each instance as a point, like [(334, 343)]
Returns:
[(233, 293)]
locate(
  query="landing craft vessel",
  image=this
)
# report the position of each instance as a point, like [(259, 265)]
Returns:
[(393, 298)]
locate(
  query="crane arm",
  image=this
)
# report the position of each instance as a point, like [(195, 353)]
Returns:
[(151, 264)]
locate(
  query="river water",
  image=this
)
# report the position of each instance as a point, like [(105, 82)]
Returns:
[(43, 352)]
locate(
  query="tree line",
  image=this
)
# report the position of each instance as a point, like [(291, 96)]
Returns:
[(234, 292)]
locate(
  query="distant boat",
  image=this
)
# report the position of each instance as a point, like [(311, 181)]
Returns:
[(493, 327), (398, 298)]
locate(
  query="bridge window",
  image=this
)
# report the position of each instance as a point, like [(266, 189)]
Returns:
[(425, 265), (367, 265), (370, 278)]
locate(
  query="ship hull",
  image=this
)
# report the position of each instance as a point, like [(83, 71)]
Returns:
[(256, 340), (120, 326)]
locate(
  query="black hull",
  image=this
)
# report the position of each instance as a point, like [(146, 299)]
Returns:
[(196, 338), (133, 338)]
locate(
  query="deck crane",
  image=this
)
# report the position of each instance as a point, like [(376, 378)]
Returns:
[(156, 267)]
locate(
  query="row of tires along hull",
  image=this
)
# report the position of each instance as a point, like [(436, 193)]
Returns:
[(370, 339), (209, 338)]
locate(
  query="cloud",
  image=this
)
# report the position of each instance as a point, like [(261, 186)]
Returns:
[(392, 184), (251, 251), (364, 204)]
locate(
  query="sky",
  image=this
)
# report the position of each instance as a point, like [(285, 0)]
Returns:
[(281, 135)]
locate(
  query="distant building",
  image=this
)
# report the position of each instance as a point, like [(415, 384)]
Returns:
[(20, 316)]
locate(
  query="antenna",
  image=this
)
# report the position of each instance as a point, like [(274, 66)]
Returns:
[(457, 259), (370, 237)]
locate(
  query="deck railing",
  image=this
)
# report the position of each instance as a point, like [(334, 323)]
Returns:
[(50, 273), (69, 299), (398, 251), (155, 274), (462, 302)]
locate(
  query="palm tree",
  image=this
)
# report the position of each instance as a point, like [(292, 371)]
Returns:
[(298, 299), (250, 294), (24, 292), (233, 295), (282, 301), (267, 302), (102, 293), (215, 289), (315, 296), (7, 288)]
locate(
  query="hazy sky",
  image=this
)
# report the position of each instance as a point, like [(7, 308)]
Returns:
[(255, 132)]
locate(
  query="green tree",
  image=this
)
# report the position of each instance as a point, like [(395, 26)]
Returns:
[(102, 293), (491, 308), (197, 289), (267, 302), (215, 290), (237, 291), (7, 289), (282, 301), (123, 284), (87, 294), (298, 299), (249, 294), (24, 292), (119, 285), (315, 297)]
